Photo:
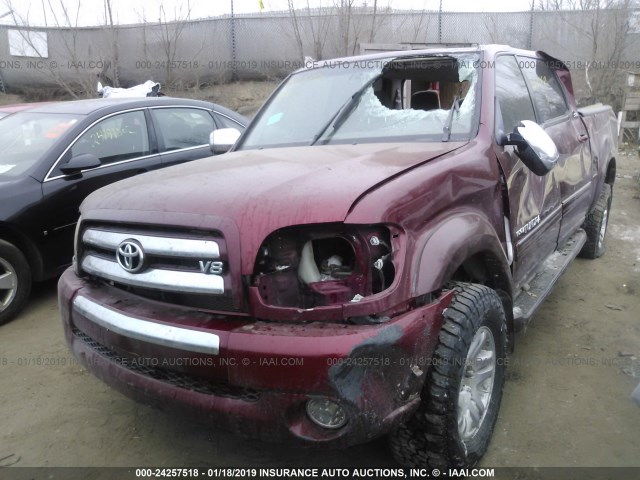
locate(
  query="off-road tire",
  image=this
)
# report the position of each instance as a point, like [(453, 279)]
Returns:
[(12, 259), (431, 438), (596, 220)]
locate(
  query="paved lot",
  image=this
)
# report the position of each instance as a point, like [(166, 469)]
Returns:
[(566, 400)]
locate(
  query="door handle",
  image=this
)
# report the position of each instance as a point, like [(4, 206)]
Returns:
[(583, 137)]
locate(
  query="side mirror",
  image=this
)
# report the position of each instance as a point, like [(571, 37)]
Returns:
[(81, 162), (534, 147), (221, 140)]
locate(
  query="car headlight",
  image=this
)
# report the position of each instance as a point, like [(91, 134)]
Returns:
[(319, 265)]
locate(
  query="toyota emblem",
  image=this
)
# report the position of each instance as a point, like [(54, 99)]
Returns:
[(130, 256)]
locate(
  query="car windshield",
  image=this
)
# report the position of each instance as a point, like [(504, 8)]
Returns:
[(412, 98), (26, 136)]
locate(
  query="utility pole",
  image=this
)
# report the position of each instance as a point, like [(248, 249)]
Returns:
[(529, 46), (440, 23), (234, 73), (2, 89)]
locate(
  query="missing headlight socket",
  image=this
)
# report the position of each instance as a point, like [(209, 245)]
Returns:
[(308, 267)]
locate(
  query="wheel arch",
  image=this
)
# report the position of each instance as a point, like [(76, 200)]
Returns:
[(464, 247), (28, 248), (610, 172), (484, 268)]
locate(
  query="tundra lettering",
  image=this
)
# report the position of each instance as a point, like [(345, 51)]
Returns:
[(528, 226)]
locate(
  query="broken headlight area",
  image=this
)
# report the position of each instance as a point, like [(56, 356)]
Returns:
[(307, 267)]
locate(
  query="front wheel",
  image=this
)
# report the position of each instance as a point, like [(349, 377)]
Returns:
[(15, 281), (462, 392)]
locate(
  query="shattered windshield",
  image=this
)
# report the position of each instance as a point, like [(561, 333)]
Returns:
[(413, 98)]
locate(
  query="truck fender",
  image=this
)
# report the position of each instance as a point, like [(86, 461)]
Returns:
[(445, 246)]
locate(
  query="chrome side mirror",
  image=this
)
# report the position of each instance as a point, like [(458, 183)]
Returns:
[(534, 146), (221, 140)]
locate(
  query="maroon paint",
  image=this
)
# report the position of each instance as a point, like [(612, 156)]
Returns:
[(443, 203)]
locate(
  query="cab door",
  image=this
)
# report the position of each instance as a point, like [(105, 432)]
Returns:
[(535, 204), (575, 166)]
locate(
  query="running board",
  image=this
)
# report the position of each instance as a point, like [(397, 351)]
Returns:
[(527, 302)]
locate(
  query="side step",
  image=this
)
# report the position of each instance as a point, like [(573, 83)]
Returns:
[(527, 302)]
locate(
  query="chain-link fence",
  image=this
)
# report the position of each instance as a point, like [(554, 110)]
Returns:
[(600, 45)]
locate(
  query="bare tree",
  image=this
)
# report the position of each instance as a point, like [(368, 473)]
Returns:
[(311, 26), (345, 12), (108, 14), (411, 25), (167, 36), (606, 33), (296, 27), (356, 22), (378, 14), (506, 33), (170, 33), (372, 32), (320, 30), (584, 5)]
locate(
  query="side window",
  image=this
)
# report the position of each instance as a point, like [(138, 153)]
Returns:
[(512, 93), (183, 127), (116, 138), (226, 122), (545, 89)]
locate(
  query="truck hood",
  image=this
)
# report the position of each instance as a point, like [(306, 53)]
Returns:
[(296, 185), (261, 191)]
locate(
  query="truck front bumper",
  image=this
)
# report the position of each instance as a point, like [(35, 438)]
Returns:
[(248, 376)]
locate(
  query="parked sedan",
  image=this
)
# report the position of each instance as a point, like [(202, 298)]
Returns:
[(54, 155)]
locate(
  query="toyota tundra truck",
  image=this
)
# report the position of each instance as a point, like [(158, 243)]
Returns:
[(360, 261)]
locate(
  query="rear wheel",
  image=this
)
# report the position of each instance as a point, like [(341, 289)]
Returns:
[(596, 225), (462, 392), (15, 281)]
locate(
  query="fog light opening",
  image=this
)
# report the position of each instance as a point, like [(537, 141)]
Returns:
[(326, 413)]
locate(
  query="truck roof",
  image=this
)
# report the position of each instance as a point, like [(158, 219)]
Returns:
[(491, 49)]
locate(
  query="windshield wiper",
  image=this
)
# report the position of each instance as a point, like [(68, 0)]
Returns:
[(341, 115), (455, 107)]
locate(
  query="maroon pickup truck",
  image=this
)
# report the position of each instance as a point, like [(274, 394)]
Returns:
[(358, 265)]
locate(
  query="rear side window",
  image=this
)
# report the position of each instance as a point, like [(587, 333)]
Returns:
[(545, 89), (226, 122), (117, 138), (513, 95), (184, 127)]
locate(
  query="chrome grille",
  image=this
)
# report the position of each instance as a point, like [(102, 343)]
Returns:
[(174, 265), (166, 280), (153, 245)]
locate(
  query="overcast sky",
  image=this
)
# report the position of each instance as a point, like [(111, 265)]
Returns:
[(92, 12)]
